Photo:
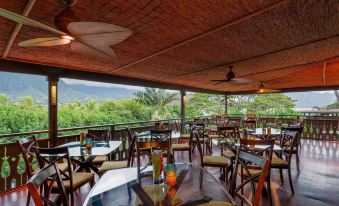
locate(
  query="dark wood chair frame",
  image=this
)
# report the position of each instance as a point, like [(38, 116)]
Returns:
[(291, 138), (266, 152), (57, 154), (297, 146), (190, 142), (244, 159), (225, 169), (26, 146), (44, 179)]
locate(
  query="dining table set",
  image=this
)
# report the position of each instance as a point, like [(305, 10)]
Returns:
[(121, 183)]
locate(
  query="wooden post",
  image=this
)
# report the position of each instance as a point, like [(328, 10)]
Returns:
[(182, 113), (53, 109), (226, 104)]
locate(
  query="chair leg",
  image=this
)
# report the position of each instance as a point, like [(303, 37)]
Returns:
[(190, 155), (297, 161), (290, 180), (72, 199), (28, 198), (281, 176), (269, 192)]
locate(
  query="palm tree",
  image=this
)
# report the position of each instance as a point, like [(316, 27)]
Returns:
[(158, 99)]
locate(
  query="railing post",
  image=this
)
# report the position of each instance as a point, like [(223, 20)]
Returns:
[(112, 130), (53, 109), (226, 104), (182, 113)]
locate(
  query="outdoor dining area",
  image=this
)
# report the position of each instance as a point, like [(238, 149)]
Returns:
[(217, 47), (150, 175)]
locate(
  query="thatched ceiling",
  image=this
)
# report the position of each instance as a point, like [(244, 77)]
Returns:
[(286, 44)]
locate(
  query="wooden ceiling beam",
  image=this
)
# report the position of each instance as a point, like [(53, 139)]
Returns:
[(207, 33), (324, 73), (17, 28)]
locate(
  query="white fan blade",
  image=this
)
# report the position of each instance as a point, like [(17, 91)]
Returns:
[(52, 41), (27, 21), (241, 80), (102, 53), (97, 33), (82, 28)]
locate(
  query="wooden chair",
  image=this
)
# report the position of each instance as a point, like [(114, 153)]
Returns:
[(203, 138), (289, 137), (99, 135), (26, 146), (161, 134), (164, 145), (266, 151), (244, 159), (45, 179), (212, 161), (186, 146), (111, 165), (72, 181), (297, 146), (249, 123)]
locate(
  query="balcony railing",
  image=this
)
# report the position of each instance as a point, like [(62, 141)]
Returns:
[(12, 167)]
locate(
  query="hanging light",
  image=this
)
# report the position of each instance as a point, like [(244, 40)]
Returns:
[(261, 88)]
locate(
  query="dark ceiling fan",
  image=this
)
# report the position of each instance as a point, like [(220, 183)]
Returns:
[(231, 78)]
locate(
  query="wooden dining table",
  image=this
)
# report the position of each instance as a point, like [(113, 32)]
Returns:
[(84, 157), (193, 185)]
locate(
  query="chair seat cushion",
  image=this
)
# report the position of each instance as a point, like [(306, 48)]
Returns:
[(228, 154), (111, 165), (276, 161), (215, 160), (180, 147), (253, 172), (79, 179), (185, 136), (99, 159), (217, 203), (63, 166)]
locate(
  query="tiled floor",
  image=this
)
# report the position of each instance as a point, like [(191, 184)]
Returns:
[(317, 183)]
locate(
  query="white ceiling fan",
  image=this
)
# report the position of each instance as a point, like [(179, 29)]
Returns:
[(231, 78), (87, 38)]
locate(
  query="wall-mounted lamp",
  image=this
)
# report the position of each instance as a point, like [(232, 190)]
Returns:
[(53, 93)]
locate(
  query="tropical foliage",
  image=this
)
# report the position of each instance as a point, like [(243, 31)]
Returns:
[(27, 115)]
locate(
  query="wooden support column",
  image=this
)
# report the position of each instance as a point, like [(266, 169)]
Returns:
[(226, 104), (53, 109), (182, 112)]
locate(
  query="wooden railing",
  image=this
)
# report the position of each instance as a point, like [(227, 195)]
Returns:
[(12, 168)]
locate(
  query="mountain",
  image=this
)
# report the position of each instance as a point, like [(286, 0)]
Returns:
[(17, 86), (312, 99)]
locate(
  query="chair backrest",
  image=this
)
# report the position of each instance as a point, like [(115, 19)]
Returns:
[(26, 146), (197, 134), (161, 134), (99, 134), (265, 149), (289, 141), (227, 131), (45, 179), (56, 154), (249, 123), (131, 151), (164, 145), (246, 159)]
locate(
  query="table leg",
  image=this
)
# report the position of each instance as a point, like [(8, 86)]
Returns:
[(85, 163)]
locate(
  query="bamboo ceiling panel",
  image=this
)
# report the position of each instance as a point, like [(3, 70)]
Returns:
[(177, 41)]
